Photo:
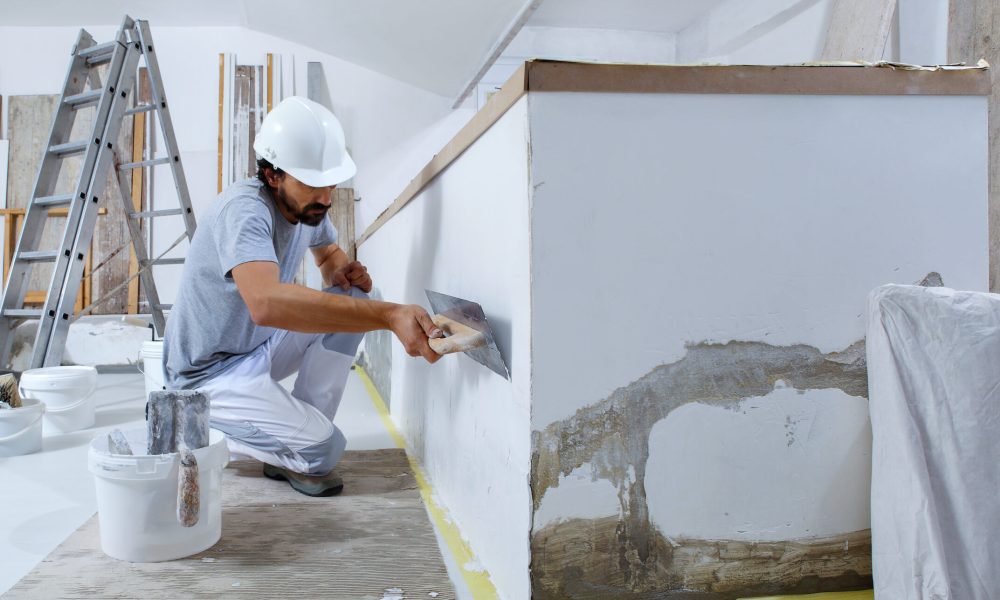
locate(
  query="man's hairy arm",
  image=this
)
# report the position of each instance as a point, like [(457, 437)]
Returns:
[(297, 308)]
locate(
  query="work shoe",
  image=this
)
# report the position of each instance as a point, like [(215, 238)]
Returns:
[(330, 484)]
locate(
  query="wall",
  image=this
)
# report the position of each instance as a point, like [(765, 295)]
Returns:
[(698, 302), (578, 44), (794, 31), (757, 32), (466, 235), (393, 128)]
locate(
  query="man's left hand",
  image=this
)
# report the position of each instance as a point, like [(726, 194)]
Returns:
[(353, 274)]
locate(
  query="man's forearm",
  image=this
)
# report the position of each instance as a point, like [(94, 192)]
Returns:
[(298, 308)]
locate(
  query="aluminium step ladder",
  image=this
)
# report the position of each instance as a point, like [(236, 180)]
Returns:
[(110, 98)]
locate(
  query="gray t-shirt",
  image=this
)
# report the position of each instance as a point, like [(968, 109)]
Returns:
[(209, 327)]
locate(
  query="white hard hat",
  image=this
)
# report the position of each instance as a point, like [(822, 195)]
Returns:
[(305, 139)]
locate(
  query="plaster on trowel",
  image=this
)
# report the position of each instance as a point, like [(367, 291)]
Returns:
[(466, 330)]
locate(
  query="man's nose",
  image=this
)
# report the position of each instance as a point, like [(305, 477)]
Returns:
[(325, 197)]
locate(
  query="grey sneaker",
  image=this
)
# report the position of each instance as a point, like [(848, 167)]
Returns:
[(330, 484)]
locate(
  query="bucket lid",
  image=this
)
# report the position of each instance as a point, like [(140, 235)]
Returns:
[(48, 375)]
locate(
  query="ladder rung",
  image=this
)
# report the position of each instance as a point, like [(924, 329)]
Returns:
[(69, 149), (99, 52), (158, 213), (145, 163), (85, 99), (62, 200), (163, 261), (38, 256), (29, 313), (140, 109)]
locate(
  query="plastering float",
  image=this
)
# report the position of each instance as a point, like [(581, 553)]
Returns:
[(466, 330)]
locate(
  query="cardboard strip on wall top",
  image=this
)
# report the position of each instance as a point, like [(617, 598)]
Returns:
[(847, 79)]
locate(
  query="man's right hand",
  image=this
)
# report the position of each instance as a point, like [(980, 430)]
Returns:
[(413, 326)]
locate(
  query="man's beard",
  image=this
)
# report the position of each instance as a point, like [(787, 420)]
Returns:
[(306, 216)]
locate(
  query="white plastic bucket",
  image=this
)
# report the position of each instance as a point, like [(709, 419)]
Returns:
[(152, 365), (68, 394), (21, 428), (137, 499)]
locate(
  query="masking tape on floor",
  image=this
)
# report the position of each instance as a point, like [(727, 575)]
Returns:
[(862, 595), (478, 582)]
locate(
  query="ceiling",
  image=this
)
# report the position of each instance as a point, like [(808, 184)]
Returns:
[(660, 16), (438, 45)]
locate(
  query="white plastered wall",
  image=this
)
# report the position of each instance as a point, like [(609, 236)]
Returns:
[(665, 220), (392, 128), (466, 235)]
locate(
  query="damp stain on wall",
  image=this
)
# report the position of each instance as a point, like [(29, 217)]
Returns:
[(627, 556)]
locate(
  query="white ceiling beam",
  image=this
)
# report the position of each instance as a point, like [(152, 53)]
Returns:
[(503, 41)]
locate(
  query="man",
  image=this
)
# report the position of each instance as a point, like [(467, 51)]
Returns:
[(238, 326)]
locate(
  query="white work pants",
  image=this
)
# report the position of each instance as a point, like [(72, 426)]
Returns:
[(262, 420)]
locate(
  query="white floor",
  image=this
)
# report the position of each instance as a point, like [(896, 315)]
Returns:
[(46, 496)]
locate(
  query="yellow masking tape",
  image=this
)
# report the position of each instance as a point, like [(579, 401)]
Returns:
[(862, 595), (478, 582)]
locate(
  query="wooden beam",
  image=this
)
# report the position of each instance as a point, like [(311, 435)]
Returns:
[(270, 81), (138, 181), (974, 33), (859, 30), (222, 101), (508, 36), (342, 215)]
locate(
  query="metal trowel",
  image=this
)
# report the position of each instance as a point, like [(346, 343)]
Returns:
[(466, 330)]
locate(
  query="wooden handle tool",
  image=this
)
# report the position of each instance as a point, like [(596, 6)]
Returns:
[(460, 338)]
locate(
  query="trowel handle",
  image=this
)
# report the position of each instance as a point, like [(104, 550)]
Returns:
[(459, 337)]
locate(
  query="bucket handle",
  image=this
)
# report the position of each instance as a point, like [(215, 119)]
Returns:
[(61, 409), (140, 359), (20, 433)]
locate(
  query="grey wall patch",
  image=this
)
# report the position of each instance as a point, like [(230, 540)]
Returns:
[(613, 436)]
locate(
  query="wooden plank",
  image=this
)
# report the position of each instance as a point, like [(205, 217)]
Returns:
[(277, 543), (112, 232), (555, 76), (243, 164), (222, 103), (270, 81), (144, 96), (859, 30), (342, 215), (974, 33), (495, 108)]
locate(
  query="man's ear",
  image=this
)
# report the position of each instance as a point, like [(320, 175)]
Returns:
[(273, 179)]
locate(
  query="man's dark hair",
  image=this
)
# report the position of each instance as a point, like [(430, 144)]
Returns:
[(264, 164)]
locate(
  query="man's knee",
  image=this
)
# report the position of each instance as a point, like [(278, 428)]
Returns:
[(323, 456)]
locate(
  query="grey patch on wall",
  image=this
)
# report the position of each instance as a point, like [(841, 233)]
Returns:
[(613, 437), (376, 358), (577, 559)]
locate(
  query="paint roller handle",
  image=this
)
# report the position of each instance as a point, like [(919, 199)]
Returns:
[(459, 337)]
